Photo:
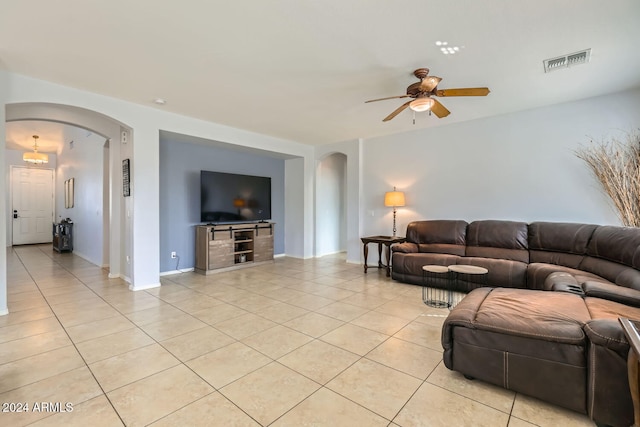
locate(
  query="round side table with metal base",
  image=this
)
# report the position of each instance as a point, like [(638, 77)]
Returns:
[(436, 286), (475, 275)]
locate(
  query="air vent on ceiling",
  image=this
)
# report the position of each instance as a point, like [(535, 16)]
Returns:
[(567, 61)]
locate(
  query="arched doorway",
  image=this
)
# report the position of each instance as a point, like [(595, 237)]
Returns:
[(117, 241)]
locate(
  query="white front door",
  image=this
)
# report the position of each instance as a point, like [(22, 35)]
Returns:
[(32, 205)]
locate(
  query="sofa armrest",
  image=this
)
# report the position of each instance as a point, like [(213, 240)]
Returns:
[(607, 333), (557, 278), (612, 292), (406, 247), (463, 314)]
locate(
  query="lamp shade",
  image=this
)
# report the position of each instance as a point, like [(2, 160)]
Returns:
[(394, 198)]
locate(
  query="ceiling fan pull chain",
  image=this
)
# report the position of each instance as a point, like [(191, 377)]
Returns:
[(414, 117)]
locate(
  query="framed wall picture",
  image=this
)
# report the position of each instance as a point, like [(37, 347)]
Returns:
[(126, 183), (68, 193)]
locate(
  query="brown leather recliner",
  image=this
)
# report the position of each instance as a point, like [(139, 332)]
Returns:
[(565, 346), (560, 347)]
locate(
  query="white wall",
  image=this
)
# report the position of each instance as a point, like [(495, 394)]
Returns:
[(3, 203), (354, 198), (331, 204), (83, 161), (294, 216), (519, 166)]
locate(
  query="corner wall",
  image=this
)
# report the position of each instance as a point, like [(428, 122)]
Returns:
[(354, 198), (83, 161), (331, 204), (4, 90)]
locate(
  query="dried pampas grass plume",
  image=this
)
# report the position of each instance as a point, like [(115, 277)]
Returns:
[(616, 165)]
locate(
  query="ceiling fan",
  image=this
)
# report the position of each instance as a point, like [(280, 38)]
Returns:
[(422, 93)]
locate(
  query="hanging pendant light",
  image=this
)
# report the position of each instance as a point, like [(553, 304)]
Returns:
[(35, 157)]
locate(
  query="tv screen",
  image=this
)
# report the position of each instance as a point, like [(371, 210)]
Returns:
[(230, 197)]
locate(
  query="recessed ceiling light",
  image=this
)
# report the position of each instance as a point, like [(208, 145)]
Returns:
[(160, 101), (446, 49)]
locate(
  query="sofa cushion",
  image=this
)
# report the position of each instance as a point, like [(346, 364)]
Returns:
[(522, 340), (438, 236), (543, 276), (414, 262), (534, 314), (502, 272), (617, 244), (614, 272), (604, 309), (498, 239), (612, 292), (407, 267), (406, 247), (559, 243)]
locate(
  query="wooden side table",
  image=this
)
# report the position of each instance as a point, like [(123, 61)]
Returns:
[(380, 240), (633, 336)]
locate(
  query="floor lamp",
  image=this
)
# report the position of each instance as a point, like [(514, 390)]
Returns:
[(394, 199)]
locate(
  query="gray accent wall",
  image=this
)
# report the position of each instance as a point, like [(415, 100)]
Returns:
[(180, 166)]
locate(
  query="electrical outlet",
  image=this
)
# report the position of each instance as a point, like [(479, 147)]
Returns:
[(174, 255)]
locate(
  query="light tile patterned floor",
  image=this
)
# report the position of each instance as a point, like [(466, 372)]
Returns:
[(313, 342)]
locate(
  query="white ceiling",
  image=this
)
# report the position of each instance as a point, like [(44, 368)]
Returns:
[(301, 70), (19, 135)]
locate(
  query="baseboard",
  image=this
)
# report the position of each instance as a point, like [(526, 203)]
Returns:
[(182, 270), (84, 257), (144, 287), (4, 312), (113, 276), (330, 253), (299, 257), (280, 256)]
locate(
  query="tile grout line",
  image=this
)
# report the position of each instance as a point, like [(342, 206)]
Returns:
[(67, 334)]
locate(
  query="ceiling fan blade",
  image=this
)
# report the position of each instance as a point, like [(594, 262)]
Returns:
[(439, 110), (429, 83), (469, 91), (389, 97), (397, 111)]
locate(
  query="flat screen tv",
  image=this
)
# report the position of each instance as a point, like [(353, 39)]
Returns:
[(230, 197)]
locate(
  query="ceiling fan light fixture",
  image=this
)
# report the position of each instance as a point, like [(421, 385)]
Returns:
[(35, 157), (421, 104)]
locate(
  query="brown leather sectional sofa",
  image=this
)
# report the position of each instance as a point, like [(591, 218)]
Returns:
[(548, 324)]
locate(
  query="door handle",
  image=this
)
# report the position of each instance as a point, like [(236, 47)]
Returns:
[(15, 213)]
